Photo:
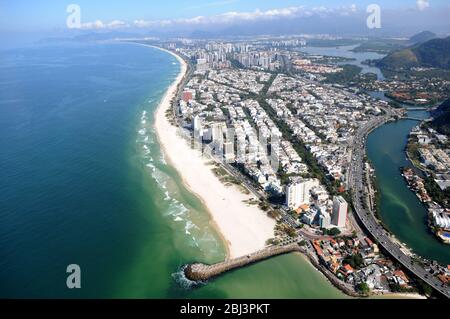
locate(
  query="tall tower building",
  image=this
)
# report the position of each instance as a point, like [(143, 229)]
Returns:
[(197, 126), (340, 210), (217, 131), (324, 219)]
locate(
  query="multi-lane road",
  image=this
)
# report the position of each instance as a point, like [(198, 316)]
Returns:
[(356, 182), (367, 217)]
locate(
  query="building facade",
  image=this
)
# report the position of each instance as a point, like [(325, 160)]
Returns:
[(340, 211)]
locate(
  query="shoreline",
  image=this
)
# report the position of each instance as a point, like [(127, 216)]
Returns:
[(244, 229), (233, 241), (168, 95), (353, 294)]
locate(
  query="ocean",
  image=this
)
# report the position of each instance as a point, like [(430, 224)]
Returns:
[(84, 181)]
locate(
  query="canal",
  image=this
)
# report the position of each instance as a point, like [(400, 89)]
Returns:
[(400, 209)]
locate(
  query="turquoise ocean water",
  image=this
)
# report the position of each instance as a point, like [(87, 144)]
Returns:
[(83, 181)]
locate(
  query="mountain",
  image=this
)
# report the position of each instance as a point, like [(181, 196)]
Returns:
[(100, 36), (441, 121), (433, 53), (399, 59), (422, 37)]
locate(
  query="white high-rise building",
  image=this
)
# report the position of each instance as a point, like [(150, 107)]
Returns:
[(264, 61), (340, 210), (229, 152), (202, 64), (198, 132), (299, 193), (217, 131), (324, 219), (197, 126)]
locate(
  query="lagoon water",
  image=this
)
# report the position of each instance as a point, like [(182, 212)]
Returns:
[(400, 209), (345, 51), (83, 181)]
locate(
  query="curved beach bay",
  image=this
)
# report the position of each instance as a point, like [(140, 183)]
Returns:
[(85, 181)]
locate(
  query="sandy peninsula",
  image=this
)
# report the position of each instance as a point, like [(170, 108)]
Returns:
[(245, 228)]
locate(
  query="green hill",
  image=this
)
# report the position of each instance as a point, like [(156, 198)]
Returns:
[(441, 121), (433, 53), (422, 37), (399, 59)]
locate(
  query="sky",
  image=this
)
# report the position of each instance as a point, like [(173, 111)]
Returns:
[(31, 16)]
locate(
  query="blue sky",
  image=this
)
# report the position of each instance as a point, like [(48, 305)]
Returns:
[(51, 14)]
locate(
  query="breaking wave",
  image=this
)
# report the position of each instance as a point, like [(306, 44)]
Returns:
[(181, 279)]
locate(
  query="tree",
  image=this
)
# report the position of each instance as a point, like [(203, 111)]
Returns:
[(356, 261), (274, 214), (302, 243), (272, 241), (424, 288), (332, 232), (291, 232), (363, 288)]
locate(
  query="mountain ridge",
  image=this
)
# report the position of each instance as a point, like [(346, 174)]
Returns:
[(433, 53), (422, 37)]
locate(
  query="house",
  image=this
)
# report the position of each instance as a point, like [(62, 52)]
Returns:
[(334, 267), (402, 280), (347, 270)]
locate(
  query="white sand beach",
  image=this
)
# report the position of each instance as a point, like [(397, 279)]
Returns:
[(244, 228)]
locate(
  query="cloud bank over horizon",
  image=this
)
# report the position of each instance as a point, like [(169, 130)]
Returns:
[(351, 18), (230, 17)]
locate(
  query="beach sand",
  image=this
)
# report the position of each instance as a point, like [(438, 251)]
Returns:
[(244, 228)]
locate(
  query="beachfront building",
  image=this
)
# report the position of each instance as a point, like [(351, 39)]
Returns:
[(197, 126), (299, 192), (188, 96), (340, 210), (228, 152)]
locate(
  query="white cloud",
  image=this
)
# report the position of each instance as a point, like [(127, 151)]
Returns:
[(257, 15), (233, 16), (422, 4), (230, 17), (117, 24), (99, 25)]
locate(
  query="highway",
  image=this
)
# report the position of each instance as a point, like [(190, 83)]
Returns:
[(368, 218), (356, 183)]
